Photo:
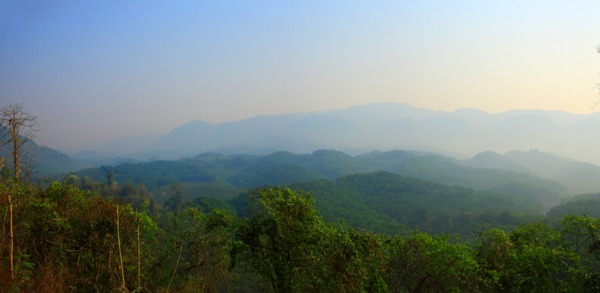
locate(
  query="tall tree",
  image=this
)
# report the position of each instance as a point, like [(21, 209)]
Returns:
[(17, 127), (176, 200), (109, 177)]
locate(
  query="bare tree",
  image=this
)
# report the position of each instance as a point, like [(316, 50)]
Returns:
[(17, 127)]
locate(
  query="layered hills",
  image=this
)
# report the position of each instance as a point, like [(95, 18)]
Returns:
[(479, 150), (386, 126), (284, 168), (391, 203), (391, 192), (577, 177)]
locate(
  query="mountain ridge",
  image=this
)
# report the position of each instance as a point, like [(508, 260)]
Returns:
[(381, 126)]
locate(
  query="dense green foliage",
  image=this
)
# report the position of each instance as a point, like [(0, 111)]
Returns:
[(284, 167), (69, 240), (273, 174), (190, 191), (235, 172), (389, 203), (205, 203), (395, 211), (332, 165), (590, 207), (581, 204), (288, 244), (363, 232), (152, 174), (72, 240)]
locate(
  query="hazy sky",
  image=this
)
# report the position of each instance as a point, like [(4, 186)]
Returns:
[(96, 70)]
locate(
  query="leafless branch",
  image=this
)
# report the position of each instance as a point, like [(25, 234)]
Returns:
[(17, 129)]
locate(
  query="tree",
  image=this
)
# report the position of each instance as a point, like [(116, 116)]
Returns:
[(109, 177), (281, 241), (176, 200), (506, 217), (17, 127), (531, 258)]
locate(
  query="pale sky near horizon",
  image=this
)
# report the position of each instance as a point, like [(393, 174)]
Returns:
[(95, 70)]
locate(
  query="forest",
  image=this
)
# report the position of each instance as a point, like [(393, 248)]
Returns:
[(395, 221), (68, 239)]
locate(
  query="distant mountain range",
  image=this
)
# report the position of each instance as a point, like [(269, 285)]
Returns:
[(475, 138), (381, 126)]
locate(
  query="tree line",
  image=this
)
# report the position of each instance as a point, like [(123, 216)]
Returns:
[(71, 240)]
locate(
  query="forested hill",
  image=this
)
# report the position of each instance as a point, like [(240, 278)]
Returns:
[(271, 169), (332, 165), (446, 170), (588, 204), (152, 174), (47, 161), (492, 160), (577, 177), (391, 203), (285, 167), (279, 168)]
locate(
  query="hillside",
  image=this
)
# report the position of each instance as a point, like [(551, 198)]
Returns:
[(152, 174), (588, 204), (492, 160), (48, 161), (394, 204), (280, 168), (271, 174), (548, 165), (448, 171), (577, 177), (331, 164)]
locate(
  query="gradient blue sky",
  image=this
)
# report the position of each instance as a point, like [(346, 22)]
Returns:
[(95, 70)]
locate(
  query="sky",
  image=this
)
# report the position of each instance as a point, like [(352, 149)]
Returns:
[(95, 70)]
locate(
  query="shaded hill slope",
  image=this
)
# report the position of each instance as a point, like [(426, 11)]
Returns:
[(388, 202), (446, 170), (47, 161)]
